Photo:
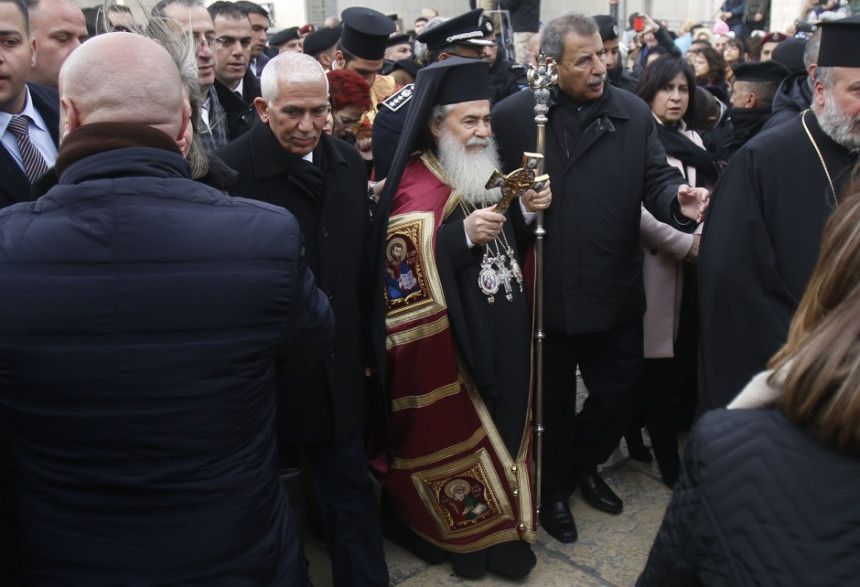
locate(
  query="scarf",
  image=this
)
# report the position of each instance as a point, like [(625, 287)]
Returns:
[(689, 153), (215, 134), (303, 176), (746, 123), (99, 137)]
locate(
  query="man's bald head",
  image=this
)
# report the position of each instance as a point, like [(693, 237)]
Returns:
[(102, 81), (59, 28)]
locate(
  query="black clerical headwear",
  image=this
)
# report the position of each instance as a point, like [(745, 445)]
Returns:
[(840, 43), (365, 32), (451, 81)]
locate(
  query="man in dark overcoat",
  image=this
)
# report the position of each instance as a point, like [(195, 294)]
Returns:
[(593, 296), (142, 313), (287, 160)]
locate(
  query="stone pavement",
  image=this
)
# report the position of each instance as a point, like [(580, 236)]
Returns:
[(611, 550)]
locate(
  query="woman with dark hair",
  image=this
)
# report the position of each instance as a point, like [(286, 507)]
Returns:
[(668, 86), (768, 491), (733, 53), (709, 67)]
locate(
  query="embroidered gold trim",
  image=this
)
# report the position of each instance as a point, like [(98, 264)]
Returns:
[(437, 456), (420, 401), (417, 333), (479, 466), (419, 228), (518, 478), (430, 161)]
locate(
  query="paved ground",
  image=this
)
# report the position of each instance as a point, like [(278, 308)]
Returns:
[(611, 550)]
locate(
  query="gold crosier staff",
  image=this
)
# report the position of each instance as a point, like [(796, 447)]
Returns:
[(541, 79)]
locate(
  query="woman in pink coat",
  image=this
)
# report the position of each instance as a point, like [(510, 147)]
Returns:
[(668, 86)]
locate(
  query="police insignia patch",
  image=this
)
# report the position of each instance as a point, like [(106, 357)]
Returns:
[(395, 101)]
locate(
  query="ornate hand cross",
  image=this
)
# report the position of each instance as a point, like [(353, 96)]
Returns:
[(517, 182)]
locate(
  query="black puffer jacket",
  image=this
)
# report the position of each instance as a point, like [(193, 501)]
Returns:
[(793, 97), (759, 502)]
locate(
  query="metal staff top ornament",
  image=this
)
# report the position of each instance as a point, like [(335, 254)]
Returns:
[(541, 79), (517, 182)]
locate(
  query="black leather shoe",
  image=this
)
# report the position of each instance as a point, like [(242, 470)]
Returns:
[(556, 519), (598, 494)]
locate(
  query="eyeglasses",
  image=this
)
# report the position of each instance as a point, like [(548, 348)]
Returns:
[(201, 40), (230, 41)]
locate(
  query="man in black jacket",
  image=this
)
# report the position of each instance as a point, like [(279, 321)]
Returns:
[(506, 77), (178, 300), (289, 161), (593, 291)]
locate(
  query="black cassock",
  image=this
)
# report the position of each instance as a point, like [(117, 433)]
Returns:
[(495, 337), (759, 247)]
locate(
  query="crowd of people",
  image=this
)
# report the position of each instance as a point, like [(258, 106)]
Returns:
[(260, 282)]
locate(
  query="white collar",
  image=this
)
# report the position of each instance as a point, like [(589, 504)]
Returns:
[(760, 392)]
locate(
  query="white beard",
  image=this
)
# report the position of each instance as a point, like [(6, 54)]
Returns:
[(469, 170), (838, 126)]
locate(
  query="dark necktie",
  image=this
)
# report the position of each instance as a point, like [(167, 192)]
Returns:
[(34, 163)]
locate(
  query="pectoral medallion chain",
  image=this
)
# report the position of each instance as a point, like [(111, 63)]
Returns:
[(498, 270)]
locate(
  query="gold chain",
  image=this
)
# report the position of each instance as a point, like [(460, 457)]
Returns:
[(495, 241), (820, 157)]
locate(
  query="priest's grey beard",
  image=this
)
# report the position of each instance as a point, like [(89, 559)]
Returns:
[(839, 126), (469, 170)]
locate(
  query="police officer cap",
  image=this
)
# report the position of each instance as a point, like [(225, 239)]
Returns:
[(840, 43), (608, 27), (399, 40), (460, 30), (284, 36), (320, 40), (365, 32), (486, 25), (760, 71)]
